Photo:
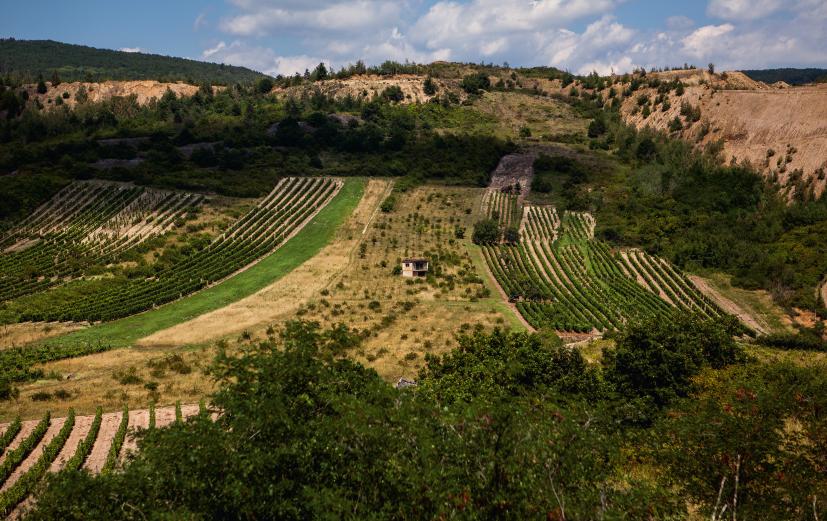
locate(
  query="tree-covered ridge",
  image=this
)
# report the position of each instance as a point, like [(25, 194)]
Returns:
[(31, 58), (788, 75)]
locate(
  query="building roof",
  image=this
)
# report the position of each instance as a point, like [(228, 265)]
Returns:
[(415, 259)]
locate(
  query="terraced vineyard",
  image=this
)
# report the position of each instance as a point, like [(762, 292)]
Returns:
[(559, 276), (31, 449), (501, 206), (288, 207), (85, 224)]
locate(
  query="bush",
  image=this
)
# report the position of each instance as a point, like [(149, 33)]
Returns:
[(511, 235), (388, 204), (486, 231), (675, 125), (429, 87), (473, 83), (7, 390), (393, 93), (264, 85), (805, 341), (654, 359), (597, 128)]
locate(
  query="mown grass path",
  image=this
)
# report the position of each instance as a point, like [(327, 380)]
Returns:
[(304, 245)]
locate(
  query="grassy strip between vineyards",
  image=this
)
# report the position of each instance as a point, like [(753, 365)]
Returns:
[(307, 243)]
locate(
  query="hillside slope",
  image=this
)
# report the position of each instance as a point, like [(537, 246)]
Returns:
[(29, 58), (779, 131)]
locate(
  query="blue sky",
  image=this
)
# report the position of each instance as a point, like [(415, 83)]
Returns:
[(285, 36)]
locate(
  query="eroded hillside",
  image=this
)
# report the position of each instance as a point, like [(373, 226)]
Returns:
[(780, 130), (144, 91)]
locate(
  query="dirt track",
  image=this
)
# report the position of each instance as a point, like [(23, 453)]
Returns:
[(726, 304)]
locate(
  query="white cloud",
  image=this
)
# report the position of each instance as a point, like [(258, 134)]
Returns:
[(214, 50), (596, 48), (347, 15), (751, 34), (261, 59), (200, 21), (742, 9), (679, 22), (131, 49), (473, 26), (706, 40)]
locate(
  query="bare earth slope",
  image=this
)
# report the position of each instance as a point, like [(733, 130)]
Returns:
[(144, 91), (780, 130), (368, 86)]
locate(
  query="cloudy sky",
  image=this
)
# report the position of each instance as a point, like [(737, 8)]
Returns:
[(286, 36)]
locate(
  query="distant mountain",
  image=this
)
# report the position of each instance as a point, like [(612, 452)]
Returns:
[(29, 58), (791, 76)]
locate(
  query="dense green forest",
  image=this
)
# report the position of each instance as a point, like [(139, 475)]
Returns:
[(28, 59), (506, 426), (791, 76)]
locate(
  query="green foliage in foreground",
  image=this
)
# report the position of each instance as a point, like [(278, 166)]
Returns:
[(655, 359), (505, 427)]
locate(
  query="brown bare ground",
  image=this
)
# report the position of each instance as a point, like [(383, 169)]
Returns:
[(144, 91), (752, 119), (726, 304), (100, 450), (283, 297), (369, 86), (137, 420), (13, 335), (79, 432), (25, 429), (91, 381), (54, 427)]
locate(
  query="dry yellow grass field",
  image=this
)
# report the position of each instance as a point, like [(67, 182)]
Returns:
[(352, 282), (135, 376)]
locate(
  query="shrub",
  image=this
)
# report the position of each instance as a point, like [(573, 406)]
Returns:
[(486, 231), (428, 86), (675, 125), (654, 359), (597, 128), (473, 83), (393, 93), (388, 204)]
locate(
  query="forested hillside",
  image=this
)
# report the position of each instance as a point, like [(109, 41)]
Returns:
[(791, 76), (31, 58)]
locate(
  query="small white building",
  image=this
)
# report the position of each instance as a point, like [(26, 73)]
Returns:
[(414, 267)]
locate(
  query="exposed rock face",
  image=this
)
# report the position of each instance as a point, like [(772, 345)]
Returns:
[(144, 91), (779, 130), (369, 86)]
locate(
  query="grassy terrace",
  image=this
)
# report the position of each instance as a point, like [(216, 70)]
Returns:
[(306, 244)]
